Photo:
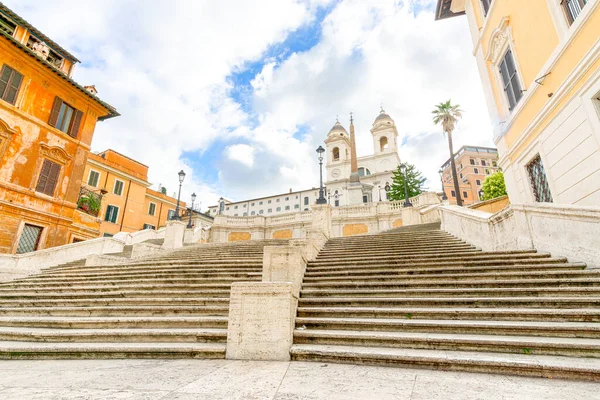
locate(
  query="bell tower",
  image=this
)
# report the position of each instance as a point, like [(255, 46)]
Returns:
[(337, 146), (385, 134)]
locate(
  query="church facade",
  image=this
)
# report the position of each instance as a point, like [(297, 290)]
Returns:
[(346, 182)]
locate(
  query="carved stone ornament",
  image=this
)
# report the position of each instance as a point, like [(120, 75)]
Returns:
[(498, 41), (54, 153)]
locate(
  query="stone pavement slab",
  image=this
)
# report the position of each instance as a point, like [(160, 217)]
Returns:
[(224, 379)]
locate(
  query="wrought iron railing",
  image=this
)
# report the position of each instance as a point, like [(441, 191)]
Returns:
[(89, 201), (573, 8)]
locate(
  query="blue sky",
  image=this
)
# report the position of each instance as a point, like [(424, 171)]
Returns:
[(239, 93)]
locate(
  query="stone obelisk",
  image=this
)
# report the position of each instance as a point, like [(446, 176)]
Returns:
[(355, 192)]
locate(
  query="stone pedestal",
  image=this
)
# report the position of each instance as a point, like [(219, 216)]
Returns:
[(174, 235), (321, 218), (284, 264), (261, 321)]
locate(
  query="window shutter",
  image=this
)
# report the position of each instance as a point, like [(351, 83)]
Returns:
[(52, 179), (4, 79), (13, 87), (75, 124), (43, 178), (55, 111)]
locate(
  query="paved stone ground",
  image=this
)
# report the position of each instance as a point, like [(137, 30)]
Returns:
[(219, 379)]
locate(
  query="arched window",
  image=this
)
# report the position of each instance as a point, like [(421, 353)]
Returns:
[(306, 201), (383, 143), (364, 171), (336, 153)]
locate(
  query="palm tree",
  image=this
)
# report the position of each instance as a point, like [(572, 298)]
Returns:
[(448, 115)]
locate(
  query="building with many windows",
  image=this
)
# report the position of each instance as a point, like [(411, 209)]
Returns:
[(125, 201), (539, 62), (473, 165), (47, 121)]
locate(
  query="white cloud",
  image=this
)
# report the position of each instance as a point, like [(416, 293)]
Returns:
[(242, 153), (165, 65)]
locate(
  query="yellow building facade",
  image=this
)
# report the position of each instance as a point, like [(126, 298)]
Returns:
[(127, 203), (539, 62), (47, 122)]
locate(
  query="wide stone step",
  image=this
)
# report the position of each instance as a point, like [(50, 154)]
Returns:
[(576, 347), (115, 322), (453, 276), (148, 274), (127, 269), (477, 302), (118, 335), (112, 288), (556, 367), (28, 296), (387, 253), (381, 238), (155, 281), (462, 292), (515, 328), (70, 351), (400, 246), (94, 302), (425, 270), (100, 311), (455, 313), (472, 257), (586, 281)]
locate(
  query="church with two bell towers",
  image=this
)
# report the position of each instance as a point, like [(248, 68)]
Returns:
[(348, 180), (353, 180)]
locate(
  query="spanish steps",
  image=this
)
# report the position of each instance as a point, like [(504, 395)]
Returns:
[(173, 305), (423, 298)]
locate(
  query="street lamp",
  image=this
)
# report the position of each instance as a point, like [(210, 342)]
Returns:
[(481, 193), (181, 178), (189, 225), (407, 203), (321, 199), (444, 197)]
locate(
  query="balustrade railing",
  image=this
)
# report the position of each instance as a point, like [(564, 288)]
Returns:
[(89, 201)]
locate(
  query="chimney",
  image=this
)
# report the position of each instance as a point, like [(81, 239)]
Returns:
[(290, 190)]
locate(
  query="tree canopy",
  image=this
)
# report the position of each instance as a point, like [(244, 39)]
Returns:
[(494, 186), (414, 182), (447, 115)]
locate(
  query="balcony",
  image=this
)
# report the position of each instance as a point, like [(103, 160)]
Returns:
[(89, 201)]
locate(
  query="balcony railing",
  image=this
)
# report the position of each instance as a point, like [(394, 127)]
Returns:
[(573, 8), (89, 201)]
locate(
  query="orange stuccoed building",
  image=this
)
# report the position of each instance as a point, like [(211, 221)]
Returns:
[(47, 122)]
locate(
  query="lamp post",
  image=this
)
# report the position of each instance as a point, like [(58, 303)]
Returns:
[(189, 225), (181, 178), (481, 193), (407, 203), (321, 199), (444, 197)]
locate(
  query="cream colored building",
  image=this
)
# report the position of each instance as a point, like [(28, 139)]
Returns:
[(375, 172), (539, 62)]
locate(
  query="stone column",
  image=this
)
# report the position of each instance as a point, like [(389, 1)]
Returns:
[(174, 235)]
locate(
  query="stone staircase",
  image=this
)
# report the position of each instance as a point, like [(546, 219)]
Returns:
[(172, 305), (422, 298)]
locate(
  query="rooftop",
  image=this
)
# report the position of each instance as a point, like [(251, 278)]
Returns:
[(444, 11), (473, 149)]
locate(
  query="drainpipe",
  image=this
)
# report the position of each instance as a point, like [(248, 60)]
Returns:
[(125, 207)]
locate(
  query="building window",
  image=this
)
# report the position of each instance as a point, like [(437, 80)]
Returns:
[(10, 82), (235, 215), (278, 209), (149, 226), (306, 201), (573, 8), (478, 182), (244, 206), (253, 213), (107, 235), (461, 175), (337, 203), (465, 195), (487, 171), (151, 208), (48, 178), (112, 212), (365, 199), (260, 203), (512, 87), (118, 189), (30, 239), (472, 161), (287, 198), (483, 164), (383, 143), (269, 202), (93, 178), (287, 208), (277, 200), (336, 153), (270, 210), (486, 4), (261, 212), (245, 214), (453, 193), (364, 171), (65, 118), (475, 170), (538, 180), (296, 205), (252, 204), (494, 164), (235, 208), (170, 214)]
